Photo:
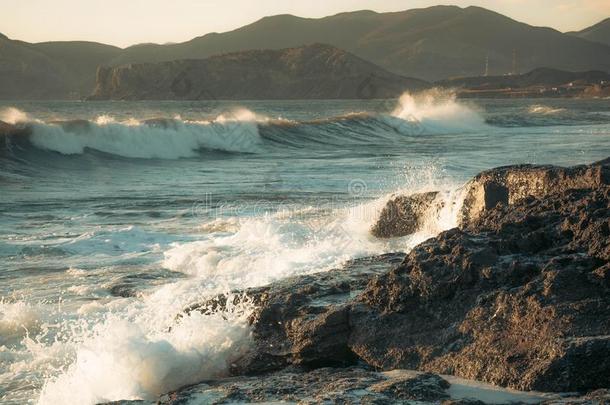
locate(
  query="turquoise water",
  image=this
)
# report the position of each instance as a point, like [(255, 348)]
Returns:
[(115, 216)]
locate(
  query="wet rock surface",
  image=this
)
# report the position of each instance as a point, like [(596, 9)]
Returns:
[(304, 320), (404, 215), (349, 385), (512, 184), (518, 296)]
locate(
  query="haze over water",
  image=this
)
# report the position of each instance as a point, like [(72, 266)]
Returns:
[(116, 216)]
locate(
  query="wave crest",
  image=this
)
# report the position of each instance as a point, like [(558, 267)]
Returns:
[(164, 139), (438, 111), (243, 131)]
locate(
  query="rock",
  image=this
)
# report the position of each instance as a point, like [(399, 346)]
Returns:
[(465, 401), (424, 387), (351, 385), (518, 297), (404, 215), (348, 385), (597, 397), (511, 184), (303, 320)]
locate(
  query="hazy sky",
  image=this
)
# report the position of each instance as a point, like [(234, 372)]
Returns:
[(126, 22)]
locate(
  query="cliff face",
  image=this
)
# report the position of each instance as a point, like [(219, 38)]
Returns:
[(309, 72)]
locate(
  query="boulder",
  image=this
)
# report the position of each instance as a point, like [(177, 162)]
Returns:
[(304, 320), (511, 184), (350, 385), (519, 297), (424, 387), (405, 214)]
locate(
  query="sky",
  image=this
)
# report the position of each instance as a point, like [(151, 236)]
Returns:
[(128, 22)]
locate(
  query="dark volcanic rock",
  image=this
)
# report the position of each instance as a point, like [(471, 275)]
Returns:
[(597, 397), (511, 184), (349, 385), (519, 297), (424, 387), (465, 401), (403, 215), (304, 320)]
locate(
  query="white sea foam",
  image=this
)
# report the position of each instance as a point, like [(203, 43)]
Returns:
[(13, 116), (129, 348), (437, 112), (123, 359), (137, 350), (19, 319), (544, 109), (234, 132)]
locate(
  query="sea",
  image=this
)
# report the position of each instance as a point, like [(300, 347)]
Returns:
[(116, 216)]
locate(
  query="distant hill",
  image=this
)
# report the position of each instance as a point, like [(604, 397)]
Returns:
[(599, 32), (311, 72), (431, 43), (50, 69)]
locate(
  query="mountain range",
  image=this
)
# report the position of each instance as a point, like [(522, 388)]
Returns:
[(599, 32), (431, 43)]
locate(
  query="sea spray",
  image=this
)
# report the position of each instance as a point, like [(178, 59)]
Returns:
[(243, 131), (438, 111), (13, 116), (123, 360), (91, 243)]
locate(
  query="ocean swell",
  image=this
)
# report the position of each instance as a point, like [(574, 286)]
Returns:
[(242, 131)]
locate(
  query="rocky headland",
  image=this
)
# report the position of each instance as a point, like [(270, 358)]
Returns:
[(538, 83), (315, 71), (517, 296)]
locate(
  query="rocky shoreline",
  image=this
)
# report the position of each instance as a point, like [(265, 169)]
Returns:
[(517, 296)]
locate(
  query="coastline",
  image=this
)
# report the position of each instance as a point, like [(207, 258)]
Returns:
[(516, 296)]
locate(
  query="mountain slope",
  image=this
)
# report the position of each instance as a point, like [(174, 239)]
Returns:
[(50, 69), (432, 43), (27, 73), (310, 72), (599, 32), (79, 60)]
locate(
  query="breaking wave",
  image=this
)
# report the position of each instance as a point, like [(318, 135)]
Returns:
[(239, 131), (545, 109), (137, 347)]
